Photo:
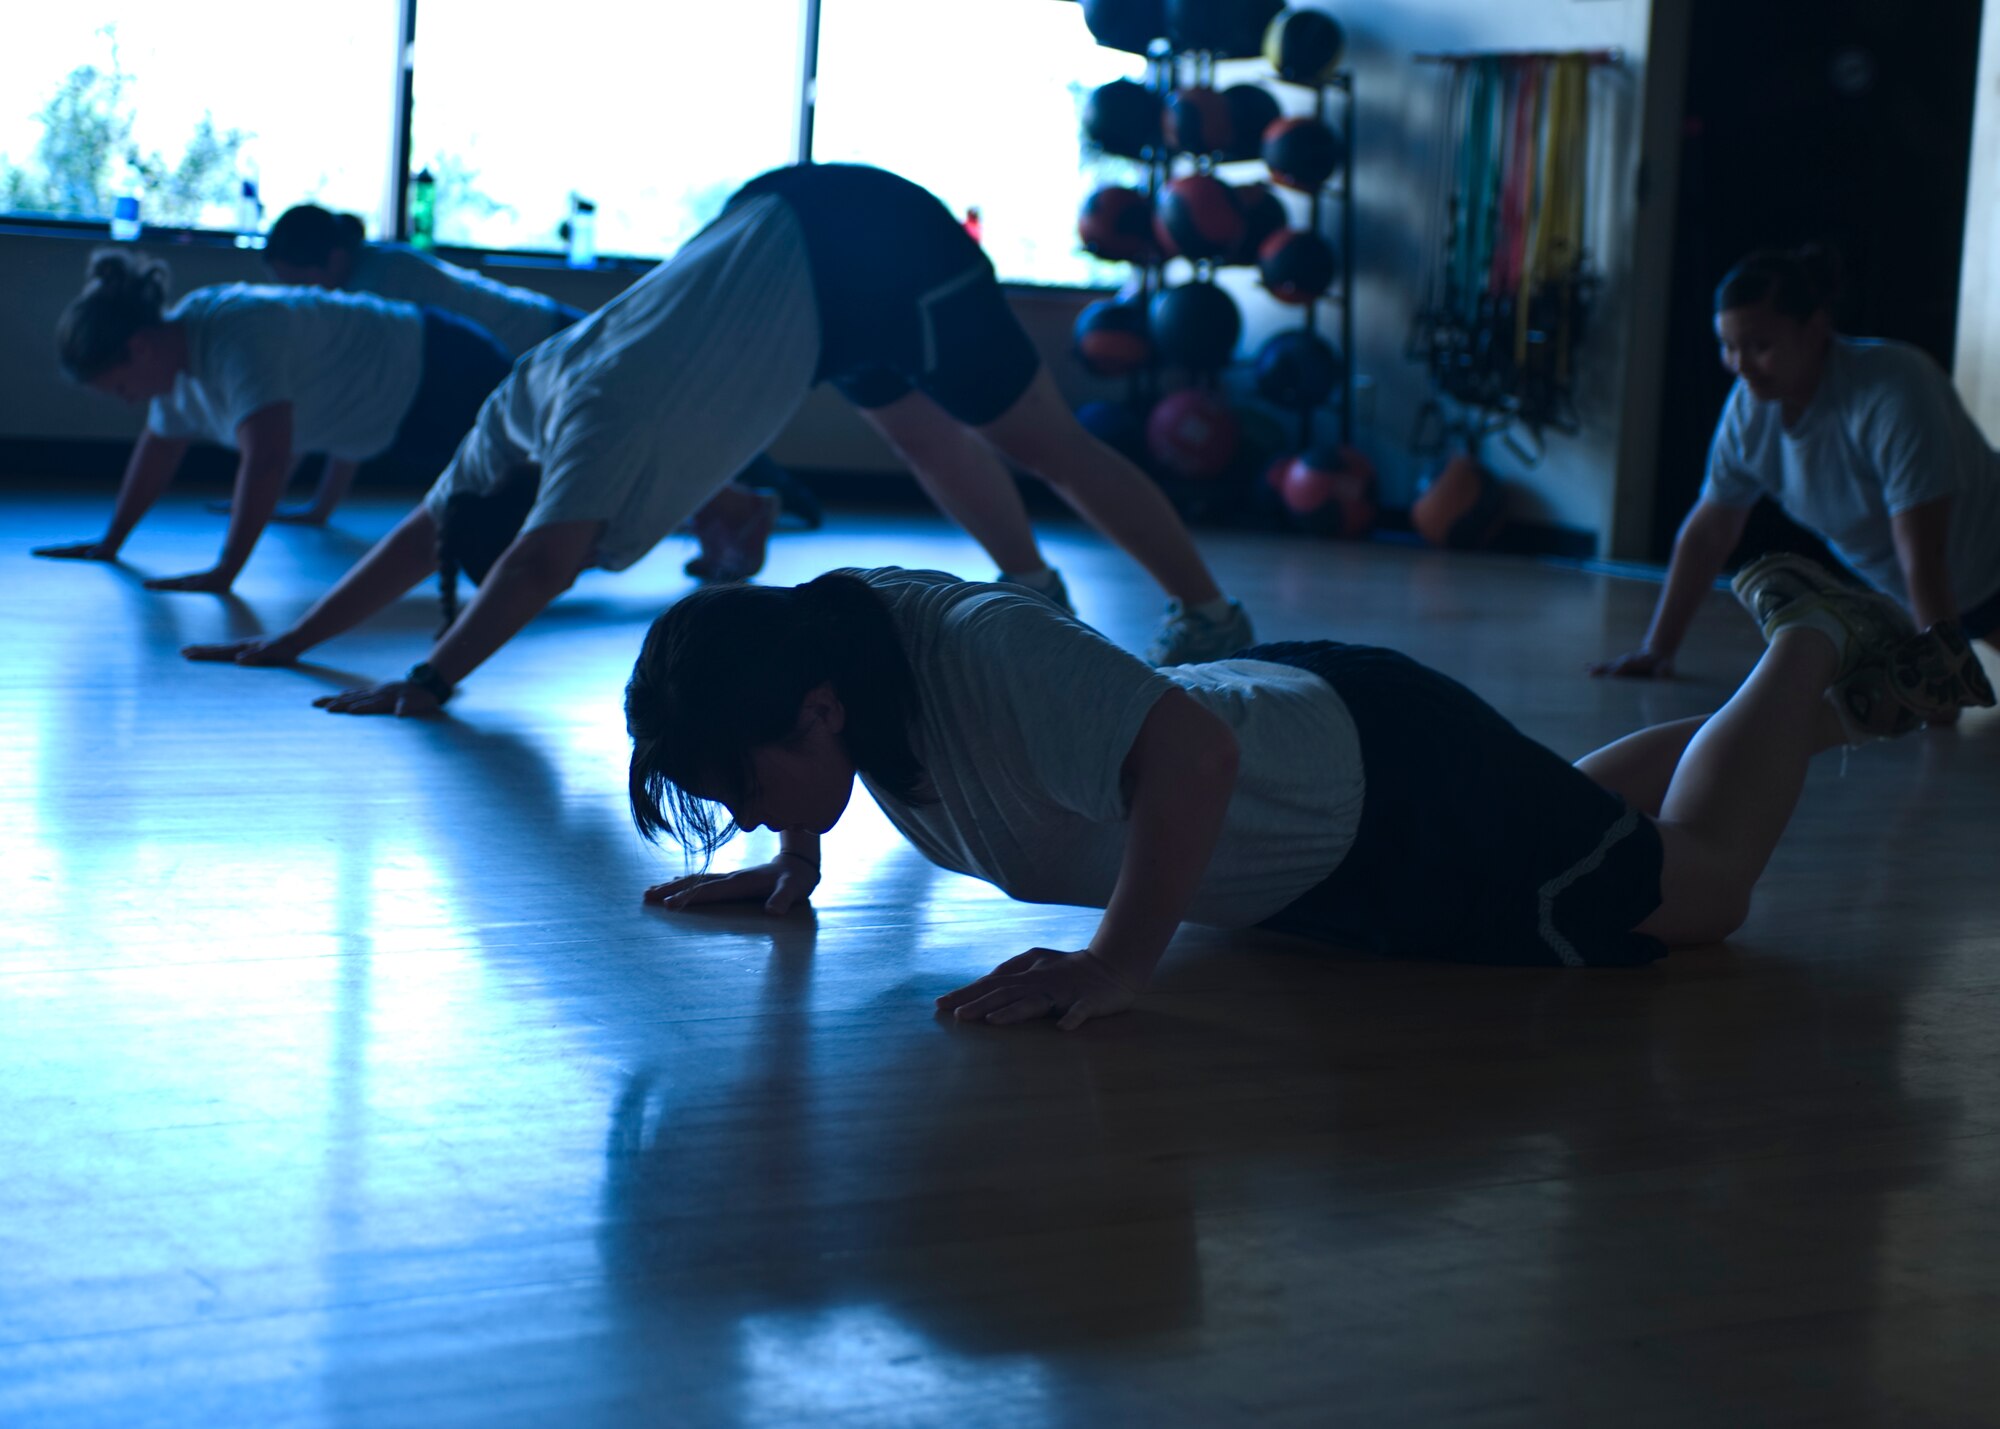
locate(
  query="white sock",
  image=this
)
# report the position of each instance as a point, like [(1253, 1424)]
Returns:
[(1826, 623)]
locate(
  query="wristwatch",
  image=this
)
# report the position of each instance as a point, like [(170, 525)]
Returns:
[(429, 681)]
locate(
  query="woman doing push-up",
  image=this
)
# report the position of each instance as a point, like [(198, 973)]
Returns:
[(1340, 792)]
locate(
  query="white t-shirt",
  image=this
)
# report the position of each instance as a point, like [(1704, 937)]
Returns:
[(348, 363), (1884, 432), (516, 317), (637, 414), (1025, 718)]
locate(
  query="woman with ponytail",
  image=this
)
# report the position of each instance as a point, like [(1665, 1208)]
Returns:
[(1341, 793), (1861, 440), (271, 372)]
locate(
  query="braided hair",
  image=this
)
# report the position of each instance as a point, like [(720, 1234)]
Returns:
[(476, 527), (726, 670), (123, 295)]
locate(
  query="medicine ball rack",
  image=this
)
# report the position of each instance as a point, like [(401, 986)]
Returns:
[(1166, 70)]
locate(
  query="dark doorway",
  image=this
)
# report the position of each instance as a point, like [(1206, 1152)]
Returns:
[(1845, 121)]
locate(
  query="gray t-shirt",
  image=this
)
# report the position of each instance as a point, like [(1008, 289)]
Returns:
[(1884, 432), (349, 363), (516, 317), (1025, 719), (637, 414)]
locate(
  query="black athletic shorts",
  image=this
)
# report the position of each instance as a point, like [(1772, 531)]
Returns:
[(907, 301), (1476, 844), (462, 366)]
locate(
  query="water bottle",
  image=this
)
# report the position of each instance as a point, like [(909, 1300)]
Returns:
[(582, 232), (249, 216), (423, 210), (125, 219)]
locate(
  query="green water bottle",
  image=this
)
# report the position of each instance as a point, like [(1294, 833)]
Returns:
[(423, 210)]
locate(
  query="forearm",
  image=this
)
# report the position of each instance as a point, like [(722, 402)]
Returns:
[(335, 481), (396, 563), (1176, 820), (260, 481), (513, 595), (148, 471), (801, 844), (1696, 563)]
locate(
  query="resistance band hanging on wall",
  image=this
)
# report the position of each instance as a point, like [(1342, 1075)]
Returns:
[(1510, 279)]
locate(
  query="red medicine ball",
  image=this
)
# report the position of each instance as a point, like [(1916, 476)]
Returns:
[(1263, 215), (1297, 266), (1193, 434), (1113, 338), (1117, 223), (1198, 122), (1198, 217), (1331, 491), (1302, 153)]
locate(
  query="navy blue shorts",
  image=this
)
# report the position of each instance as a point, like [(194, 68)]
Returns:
[(462, 366), (907, 301), (1476, 844)]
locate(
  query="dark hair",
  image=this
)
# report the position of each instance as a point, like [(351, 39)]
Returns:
[(124, 294), (726, 671), (305, 236), (1798, 282), (476, 527)]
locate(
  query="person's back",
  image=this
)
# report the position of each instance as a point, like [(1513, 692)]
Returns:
[(349, 364), (518, 318)]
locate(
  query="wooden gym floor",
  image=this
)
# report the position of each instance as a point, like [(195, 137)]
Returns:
[(344, 1081)]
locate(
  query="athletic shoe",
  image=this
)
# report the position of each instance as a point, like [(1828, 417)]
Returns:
[(1782, 590), (1186, 637), (733, 551), (1049, 586), (1924, 680)]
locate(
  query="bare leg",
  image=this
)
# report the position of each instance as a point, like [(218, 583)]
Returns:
[(963, 476), (1735, 789), (1042, 434), (1639, 767)]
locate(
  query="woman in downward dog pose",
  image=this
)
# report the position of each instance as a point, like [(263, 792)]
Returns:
[(271, 372), (1317, 788), (611, 433)]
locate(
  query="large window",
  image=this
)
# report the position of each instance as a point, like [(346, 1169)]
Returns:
[(978, 101), (654, 112), (177, 104)]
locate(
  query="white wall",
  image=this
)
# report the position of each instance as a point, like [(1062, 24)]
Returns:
[(1578, 483), (1976, 364)]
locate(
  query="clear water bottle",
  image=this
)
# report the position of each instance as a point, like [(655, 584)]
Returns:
[(125, 219), (581, 230), (249, 216), (423, 209)]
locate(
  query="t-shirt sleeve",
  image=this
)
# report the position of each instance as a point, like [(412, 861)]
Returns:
[(1906, 431), (1050, 693), (1732, 478)]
